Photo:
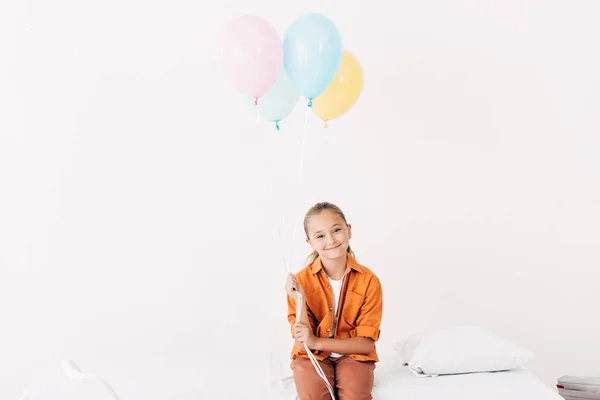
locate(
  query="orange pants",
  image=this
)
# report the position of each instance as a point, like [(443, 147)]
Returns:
[(350, 379)]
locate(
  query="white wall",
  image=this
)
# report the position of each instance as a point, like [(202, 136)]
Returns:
[(137, 229)]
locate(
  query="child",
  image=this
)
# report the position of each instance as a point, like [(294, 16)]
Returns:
[(341, 312)]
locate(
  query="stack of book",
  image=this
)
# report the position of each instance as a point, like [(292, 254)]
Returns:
[(579, 387)]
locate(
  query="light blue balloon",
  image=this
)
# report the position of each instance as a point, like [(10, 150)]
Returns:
[(279, 101), (312, 54)]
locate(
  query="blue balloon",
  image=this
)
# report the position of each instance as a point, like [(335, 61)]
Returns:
[(312, 54), (279, 101)]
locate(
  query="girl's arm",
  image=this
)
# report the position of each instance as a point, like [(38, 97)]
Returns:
[(292, 288), (355, 345), (304, 320)]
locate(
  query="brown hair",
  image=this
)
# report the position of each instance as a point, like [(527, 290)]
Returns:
[(317, 209)]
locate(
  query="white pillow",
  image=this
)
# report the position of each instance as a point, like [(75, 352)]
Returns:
[(460, 350)]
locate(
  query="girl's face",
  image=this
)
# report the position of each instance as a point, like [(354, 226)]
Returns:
[(328, 234)]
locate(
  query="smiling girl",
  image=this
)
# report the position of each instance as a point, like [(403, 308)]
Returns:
[(342, 309)]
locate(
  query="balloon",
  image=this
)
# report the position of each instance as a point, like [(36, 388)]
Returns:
[(251, 55), (279, 101), (312, 54), (343, 92)]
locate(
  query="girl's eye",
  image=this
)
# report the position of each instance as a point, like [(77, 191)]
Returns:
[(320, 237), (337, 229)]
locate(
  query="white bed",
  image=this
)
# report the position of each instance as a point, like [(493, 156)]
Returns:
[(402, 384), (217, 377)]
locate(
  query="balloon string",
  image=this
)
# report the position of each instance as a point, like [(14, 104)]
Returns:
[(303, 145), (280, 224), (283, 244)]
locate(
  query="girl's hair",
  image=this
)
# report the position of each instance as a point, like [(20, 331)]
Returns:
[(317, 209)]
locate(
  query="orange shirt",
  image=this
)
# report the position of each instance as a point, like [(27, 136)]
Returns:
[(359, 311)]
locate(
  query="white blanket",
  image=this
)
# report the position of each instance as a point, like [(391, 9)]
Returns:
[(217, 377)]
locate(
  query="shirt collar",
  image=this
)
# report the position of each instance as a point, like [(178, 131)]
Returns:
[(350, 264)]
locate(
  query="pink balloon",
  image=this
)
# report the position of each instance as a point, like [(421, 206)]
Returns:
[(252, 55)]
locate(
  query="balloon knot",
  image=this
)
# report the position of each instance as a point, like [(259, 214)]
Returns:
[(256, 101), (310, 103), (325, 124), (277, 125)]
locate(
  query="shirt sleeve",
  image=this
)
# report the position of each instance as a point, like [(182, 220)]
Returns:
[(292, 314), (370, 313)]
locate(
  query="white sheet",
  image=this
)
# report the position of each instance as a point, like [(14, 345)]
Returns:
[(404, 385)]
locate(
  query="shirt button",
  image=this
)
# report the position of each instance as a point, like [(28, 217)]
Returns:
[(329, 287), (330, 309), (328, 330)]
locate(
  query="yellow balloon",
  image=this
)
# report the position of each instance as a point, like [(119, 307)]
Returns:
[(342, 92)]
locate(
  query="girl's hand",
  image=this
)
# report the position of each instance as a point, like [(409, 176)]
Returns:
[(304, 334), (292, 285)]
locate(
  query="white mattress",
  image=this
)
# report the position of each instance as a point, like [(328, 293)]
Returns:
[(404, 385)]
